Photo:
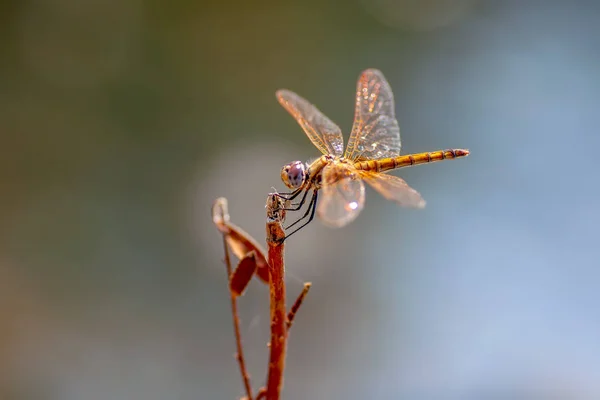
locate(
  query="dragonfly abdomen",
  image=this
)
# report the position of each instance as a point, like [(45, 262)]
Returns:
[(386, 164)]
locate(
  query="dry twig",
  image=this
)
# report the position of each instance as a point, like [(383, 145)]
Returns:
[(220, 214), (275, 236), (252, 261)]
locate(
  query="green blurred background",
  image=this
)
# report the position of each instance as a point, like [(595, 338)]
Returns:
[(121, 121)]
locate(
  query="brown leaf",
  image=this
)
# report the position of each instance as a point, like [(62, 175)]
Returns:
[(243, 274), (241, 244), (239, 241)]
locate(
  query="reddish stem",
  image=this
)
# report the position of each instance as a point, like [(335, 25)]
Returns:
[(236, 327), (292, 314), (275, 236)]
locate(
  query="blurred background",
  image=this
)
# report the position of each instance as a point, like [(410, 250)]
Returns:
[(122, 120)]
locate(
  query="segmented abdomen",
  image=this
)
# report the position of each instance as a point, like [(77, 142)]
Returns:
[(386, 164)]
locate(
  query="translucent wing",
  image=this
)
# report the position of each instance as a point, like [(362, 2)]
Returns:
[(375, 132), (342, 196), (393, 188), (324, 134)]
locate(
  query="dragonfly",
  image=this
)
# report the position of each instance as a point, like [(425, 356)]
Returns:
[(373, 149)]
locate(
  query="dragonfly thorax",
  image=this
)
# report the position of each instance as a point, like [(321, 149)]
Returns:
[(293, 174)]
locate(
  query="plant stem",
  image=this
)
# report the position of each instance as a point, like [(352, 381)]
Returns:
[(236, 326), (292, 314), (275, 236)]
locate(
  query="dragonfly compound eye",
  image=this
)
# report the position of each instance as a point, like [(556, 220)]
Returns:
[(293, 174)]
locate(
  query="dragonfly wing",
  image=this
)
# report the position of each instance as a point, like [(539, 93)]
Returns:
[(375, 132), (393, 188), (342, 195), (324, 134)]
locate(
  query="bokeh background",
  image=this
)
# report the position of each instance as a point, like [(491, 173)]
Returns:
[(122, 120)]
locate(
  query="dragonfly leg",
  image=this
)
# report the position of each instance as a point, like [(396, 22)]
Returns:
[(308, 210), (289, 196), (283, 194), (312, 207), (299, 205)]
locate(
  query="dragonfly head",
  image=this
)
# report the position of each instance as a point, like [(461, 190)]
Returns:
[(293, 174)]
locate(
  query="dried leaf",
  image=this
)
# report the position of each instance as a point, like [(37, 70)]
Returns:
[(242, 274)]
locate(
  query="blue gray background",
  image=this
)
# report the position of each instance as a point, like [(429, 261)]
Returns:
[(121, 122)]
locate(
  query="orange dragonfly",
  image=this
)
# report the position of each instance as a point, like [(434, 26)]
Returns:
[(373, 149)]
